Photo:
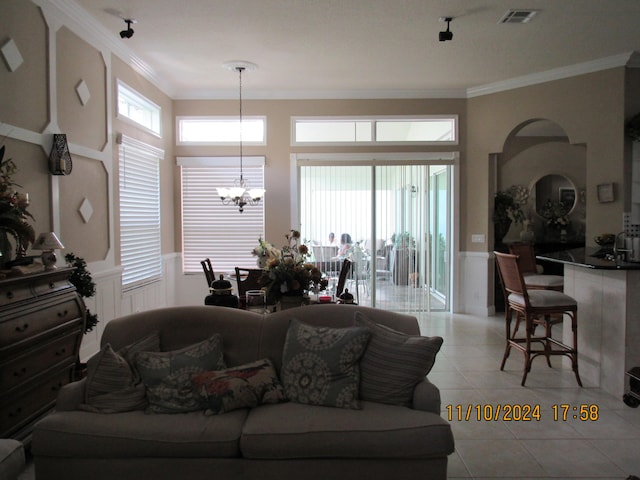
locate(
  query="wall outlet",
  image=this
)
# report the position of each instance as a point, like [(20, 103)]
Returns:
[(477, 238)]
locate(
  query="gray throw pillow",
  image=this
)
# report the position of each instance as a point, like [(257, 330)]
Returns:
[(167, 375), (394, 363), (113, 384), (320, 364)]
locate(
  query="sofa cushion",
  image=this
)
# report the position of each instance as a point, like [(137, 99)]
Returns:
[(292, 430), (320, 364), (393, 363), (245, 386), (167, 375), (113, 384), (137, 434), (12, 458)]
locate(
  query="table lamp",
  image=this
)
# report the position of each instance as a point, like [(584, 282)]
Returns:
[(48, 242)]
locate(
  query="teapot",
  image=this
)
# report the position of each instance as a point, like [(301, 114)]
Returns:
[(222, 294), (346, 297)]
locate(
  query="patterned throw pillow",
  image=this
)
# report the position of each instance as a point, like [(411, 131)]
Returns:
[(245, 386), (167, 375), (394, 363), (113, 384), (320, 364)]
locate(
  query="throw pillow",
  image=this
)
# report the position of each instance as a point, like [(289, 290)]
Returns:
[(167, 375), (112, 384), (245, 386), (394, 363), (320, 364)]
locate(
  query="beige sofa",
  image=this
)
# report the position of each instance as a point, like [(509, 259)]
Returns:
[(274, 441)]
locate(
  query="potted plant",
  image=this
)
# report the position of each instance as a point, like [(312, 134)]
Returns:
[(13, 213), (82, 280)]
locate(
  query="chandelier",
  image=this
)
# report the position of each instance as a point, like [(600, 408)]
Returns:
[(240, 194)]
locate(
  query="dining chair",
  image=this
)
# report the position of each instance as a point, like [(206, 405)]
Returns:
[(530, 304), (342, 278), (532, 272), (248, 279), (208, 272)]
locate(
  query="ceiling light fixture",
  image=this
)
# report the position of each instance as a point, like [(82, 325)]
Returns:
[(446, 35), (240, 194), (128, 33)]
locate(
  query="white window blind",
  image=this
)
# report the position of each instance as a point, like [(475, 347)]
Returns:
[(140, 247), (212, 229)]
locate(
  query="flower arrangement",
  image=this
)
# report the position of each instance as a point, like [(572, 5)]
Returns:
[(555, 214), (508, 205), (286, 271), (14, 215)]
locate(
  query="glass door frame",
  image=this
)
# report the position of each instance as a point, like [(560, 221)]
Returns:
[(390, 158)]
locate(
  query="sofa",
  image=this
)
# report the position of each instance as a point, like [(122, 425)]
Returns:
[(280, 438)]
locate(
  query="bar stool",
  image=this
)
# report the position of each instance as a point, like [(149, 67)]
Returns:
[(534, 304), (532, 277)]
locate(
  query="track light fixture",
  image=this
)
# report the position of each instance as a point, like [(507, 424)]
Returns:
[(128, 33), (446, 35)]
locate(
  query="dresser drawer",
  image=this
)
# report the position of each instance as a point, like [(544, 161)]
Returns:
[(22, 368), (30, 322), (15, 293), (17, 411)]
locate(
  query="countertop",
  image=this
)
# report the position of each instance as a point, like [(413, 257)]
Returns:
[(589, 257)]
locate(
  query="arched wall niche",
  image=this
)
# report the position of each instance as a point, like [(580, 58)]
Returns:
[(539, 156)]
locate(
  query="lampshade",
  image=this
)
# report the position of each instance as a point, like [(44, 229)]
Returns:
[(60, 158), (47, 241)]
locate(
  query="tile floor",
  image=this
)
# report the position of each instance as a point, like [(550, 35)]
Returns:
[(467, 371)]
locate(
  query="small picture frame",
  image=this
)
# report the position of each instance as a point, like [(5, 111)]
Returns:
[(567, 196), (605, 192)]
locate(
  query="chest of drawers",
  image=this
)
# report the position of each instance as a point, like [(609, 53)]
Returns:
[(41, 326)]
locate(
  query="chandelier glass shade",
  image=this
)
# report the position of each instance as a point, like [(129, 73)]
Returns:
[(240, 194)]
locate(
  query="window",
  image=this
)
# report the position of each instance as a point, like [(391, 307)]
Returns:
[(140, 247), (138, 109), (210, 228), (220, 130), (441, 130)]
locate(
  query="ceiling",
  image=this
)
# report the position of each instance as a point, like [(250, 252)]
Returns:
[(358, 48)]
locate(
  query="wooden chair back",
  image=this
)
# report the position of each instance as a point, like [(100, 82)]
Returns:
[(510, 275), (342, 278), (527, 260), (248, 279), (208, 271)]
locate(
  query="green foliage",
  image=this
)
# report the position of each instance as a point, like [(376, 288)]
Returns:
[(82, 280)]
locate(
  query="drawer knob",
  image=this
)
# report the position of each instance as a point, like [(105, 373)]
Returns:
[(61, 352), (19, 373), (62, 314), (22, 328), (9, 294), (58, 386), (52, 285)]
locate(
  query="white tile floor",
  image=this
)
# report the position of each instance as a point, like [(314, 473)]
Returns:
[(467, 371)]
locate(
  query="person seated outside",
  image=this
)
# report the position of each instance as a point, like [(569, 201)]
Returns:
[(345, 245), (331, 241)]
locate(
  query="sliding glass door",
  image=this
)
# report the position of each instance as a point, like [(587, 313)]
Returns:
[(392, 219)]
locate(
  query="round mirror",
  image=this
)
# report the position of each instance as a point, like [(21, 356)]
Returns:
[(553, 189)]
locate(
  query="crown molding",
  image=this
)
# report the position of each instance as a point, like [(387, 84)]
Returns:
[(79, 20), (606, 63), (319, 94)]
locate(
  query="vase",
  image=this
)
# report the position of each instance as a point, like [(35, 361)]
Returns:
[(527, 235), (291, 301)]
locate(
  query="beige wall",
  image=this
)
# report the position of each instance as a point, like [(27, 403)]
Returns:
[(590, 108)]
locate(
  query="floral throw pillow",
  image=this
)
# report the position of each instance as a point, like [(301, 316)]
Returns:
[(320, 364), (167, 375), (245, 386)]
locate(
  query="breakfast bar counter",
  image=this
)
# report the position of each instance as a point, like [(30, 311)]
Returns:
[(606, 290)]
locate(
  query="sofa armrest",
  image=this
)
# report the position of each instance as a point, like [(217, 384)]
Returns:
[(426, 396), (71, 395)]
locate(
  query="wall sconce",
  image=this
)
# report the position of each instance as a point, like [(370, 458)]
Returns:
[(48, 243), (60, 158)]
